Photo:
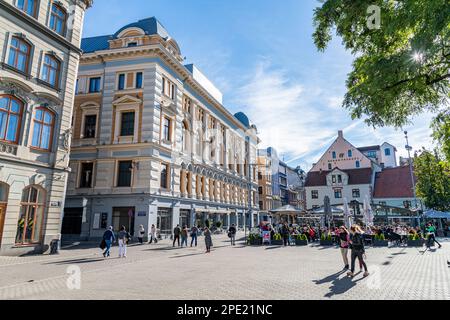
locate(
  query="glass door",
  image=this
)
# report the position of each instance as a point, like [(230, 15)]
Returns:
[(2, 220)]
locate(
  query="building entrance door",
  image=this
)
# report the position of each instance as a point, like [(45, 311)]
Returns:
[(123, 216), (2, 219)]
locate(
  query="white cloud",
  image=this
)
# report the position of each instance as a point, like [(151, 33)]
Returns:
[(301, 120)]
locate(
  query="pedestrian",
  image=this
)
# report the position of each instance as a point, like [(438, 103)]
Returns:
[(176, 235), (232, 234), (109, 238), (153, 234), (431, 233), (357, 247), (123, 237), (208, 240), (184, 236), (141, 234), (285, 234), (194, 232), (344, 239)]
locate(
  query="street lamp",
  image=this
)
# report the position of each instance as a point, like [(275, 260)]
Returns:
[(409, 149)]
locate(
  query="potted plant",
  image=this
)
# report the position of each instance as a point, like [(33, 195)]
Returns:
[(277, 240), (326, 240), (219, 224), (414, 240), (301, 240), (380, 241), (254, 239)]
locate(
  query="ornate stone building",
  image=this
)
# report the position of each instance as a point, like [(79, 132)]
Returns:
[(153, 143), (39, 56)]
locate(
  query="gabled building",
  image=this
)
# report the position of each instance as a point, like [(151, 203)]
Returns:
[(343, 172)]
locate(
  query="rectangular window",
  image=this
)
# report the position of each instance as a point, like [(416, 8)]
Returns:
[(164, 176), (315, 194), (350, 153), (330, 166), (168, 88), (166, 129), (139, 80), (358, 164), (356, 193), (87, 170), (127, 124), (333, 179), (121, 84), (19, 54), (339, 179), (387, 152), (124, 173), (50, 70), (372, 154), (90, 125), (338, 194), (94, 85), (28, 6), (77, 86), (334, 154)]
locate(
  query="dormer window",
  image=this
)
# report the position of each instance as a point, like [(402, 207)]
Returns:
[(132, 44)]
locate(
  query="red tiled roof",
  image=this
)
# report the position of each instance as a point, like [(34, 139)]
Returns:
[(356, 176), (394, 183)]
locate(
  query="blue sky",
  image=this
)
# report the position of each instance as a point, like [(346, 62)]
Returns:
[(260, 54)]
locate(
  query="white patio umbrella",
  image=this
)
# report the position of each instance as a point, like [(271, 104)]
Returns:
[(347, 215), (366, 209)]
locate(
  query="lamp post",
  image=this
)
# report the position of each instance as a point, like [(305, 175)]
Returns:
[(409, 149)]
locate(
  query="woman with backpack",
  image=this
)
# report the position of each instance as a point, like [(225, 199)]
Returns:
[(357, 247)]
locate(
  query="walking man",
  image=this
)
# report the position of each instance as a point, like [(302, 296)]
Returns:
[(184, 236), (176, 235), (232, 234), (194, 232), (285, 234), (109, 238), (153, 234)]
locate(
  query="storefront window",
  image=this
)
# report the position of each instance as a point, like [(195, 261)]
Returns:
[(29, 226)]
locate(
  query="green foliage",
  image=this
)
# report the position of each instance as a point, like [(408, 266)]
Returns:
[(441, 129), (326, 236), (380, 237), (433, 180), (254, 237), (413, 237), (302, 237), (219, 224), (400, 69), (277, 236)]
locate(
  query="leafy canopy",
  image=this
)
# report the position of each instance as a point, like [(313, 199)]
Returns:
[(400, 69)]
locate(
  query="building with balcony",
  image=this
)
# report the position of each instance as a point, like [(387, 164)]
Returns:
[(40, 51), (152, 141)]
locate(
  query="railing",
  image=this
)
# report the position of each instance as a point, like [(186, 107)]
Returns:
[(8, 148)]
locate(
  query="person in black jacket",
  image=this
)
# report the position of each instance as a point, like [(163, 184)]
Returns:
[(109, 238), (176, 235), (232, 234), (357, 247), (285, 234)]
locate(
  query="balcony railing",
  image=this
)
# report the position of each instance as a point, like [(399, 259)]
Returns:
[(8, 148)]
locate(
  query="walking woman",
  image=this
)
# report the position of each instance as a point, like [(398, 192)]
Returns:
[(184, 236), (123, 238), (344, 239), (141, 234), (208, 240), (357, 246), (153, 234)]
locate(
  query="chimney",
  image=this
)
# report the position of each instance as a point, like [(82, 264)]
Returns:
[(340, 134)]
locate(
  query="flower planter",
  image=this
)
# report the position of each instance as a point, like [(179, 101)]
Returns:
[(301, 242), (255, 242), (380, 243), (326, 242), (276, 242), (415, 243)]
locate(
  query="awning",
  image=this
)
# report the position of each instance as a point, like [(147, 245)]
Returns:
[(433, 214), (287, 210)]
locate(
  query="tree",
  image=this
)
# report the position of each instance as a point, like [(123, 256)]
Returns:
[(433, 180), (401, 68)]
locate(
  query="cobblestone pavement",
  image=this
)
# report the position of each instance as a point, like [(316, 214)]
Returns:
[(162, 272)]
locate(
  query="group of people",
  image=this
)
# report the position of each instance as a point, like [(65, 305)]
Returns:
[(289, 232), (123, 237)]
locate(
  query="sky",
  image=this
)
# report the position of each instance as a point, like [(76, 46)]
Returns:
[(261, 55)]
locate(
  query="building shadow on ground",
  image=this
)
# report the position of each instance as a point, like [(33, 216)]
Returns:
[(78, 261)]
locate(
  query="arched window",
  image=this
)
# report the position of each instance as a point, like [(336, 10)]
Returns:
[(32, 206), (50, 70), (19, 54), (185, 137), (28, 6), (58, 18), (10, 118), (43, 124)]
